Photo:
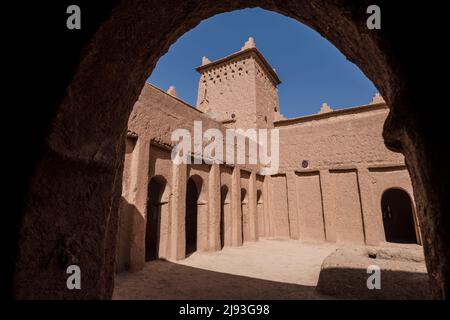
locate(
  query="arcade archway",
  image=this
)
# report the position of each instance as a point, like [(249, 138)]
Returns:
[(157, 219), (398, 217), (193, 189)]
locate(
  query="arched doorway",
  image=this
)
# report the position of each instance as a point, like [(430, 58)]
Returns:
[(156, 208), (244, 215), (225, 213), (398, 217), (192, 195), (260, 212)]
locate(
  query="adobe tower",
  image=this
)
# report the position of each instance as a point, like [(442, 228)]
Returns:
[(240, 90)]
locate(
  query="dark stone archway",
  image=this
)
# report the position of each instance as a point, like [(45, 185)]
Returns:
[(398, 217), (224, 210), (191, 216), (156, 188), (69, 182), (244, 215)]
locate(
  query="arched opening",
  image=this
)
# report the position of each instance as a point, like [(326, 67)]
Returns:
[(260, 212), (92, 134), (225, 213), (193, 189), (398, 217), (153, 223), (156, 207), (244, 215)]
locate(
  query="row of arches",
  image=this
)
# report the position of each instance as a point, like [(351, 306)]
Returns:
[(399, 222), (158, 216)]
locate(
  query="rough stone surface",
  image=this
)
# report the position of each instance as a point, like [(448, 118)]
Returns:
[(344, 274), (397, 252)]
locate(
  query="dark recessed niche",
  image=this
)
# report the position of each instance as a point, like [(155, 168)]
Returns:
[(305, 164)]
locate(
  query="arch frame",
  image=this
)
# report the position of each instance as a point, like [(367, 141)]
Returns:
[(163, 218), (413, 210), (225, 216)]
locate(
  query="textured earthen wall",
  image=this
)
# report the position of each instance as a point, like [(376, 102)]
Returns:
[(231, 84), (347, 206), (310, 210), (278, 207), (126, 211), (333, 141), (156, 115), (266, 98), (241, 86), (171, 114), (335, 197)]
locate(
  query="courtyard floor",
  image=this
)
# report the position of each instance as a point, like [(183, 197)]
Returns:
[(267, 269)]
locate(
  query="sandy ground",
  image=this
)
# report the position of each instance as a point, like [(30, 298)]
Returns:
[(281, 269), (267, 269)]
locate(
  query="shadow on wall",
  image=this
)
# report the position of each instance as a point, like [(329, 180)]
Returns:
[(166, 280), (129, 217), (351, 283)]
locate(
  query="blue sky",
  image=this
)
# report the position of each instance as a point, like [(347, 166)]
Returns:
[(311, 69)]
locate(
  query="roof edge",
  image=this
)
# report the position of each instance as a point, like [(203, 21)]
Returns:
[(340, 112)]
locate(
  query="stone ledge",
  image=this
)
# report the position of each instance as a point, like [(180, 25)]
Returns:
[(344, 274)]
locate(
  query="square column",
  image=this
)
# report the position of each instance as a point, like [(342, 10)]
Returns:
[(178, 212), (214, 208), (138, 194), (268, 229), (253, 218), (328, 205), (293, 205), (236, 208)]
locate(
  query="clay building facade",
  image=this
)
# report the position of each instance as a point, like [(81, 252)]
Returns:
[(336, 180)]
